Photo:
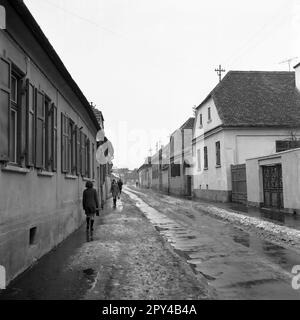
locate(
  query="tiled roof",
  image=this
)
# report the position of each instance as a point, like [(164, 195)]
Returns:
[(99, 115), (188, 124), (37, 32), (257, 98)]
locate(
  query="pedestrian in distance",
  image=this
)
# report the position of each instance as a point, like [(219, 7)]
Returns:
[(90, 205), (120, 185), (114, 191)]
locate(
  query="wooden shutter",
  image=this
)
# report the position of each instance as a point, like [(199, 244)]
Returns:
[(78, 150), (5, 71), (54, 137), (64, 143), (40, 130), (88, 158), (30, 124), (22, 93), (93, 161), (83, 154)]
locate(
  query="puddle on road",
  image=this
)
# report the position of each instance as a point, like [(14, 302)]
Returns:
[(237, 273)]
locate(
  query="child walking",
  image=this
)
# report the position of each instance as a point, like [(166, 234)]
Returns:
[(90, 204)]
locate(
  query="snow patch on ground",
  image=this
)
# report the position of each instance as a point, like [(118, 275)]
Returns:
[(281, 233)]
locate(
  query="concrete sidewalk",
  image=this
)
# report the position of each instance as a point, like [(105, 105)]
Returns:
[(124, 258)]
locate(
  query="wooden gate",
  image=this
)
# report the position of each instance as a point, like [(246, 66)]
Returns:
[(272, 183), (239, 183)]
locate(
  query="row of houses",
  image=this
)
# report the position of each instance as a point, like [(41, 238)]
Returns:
[(47, 144), (241, 146)]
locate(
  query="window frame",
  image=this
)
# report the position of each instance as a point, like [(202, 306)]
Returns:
[(218, 154), (16, 107), (205, 151), (198, 160), (209, 114)]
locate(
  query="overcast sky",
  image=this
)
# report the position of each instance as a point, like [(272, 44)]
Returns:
[(146, 63)]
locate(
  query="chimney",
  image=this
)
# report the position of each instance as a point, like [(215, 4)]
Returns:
[(297, 75)]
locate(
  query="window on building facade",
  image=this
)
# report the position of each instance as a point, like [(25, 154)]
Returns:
[(30, 124), (218, 153), (198, 160), (93, 161), (88, 158), (200, 120), (5, 86), (209, 114), (205, 158), (40, 130), (14, 117)]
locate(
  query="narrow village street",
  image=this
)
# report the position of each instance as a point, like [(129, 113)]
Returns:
[(154, 246)]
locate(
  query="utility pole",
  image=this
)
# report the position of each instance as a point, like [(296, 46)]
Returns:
[(288, 61), (219, 72)]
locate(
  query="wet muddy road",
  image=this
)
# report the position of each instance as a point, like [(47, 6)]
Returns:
[(237, 264), (124, 258), (155, 247)]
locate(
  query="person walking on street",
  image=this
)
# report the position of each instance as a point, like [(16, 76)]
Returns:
[(90, 204), (120, 185), (114, 191)]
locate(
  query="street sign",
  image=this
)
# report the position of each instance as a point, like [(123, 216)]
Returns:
[(2, 18), (2, 278)]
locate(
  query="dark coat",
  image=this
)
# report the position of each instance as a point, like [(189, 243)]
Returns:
[(90, 200), (114, 190), (120, 184)]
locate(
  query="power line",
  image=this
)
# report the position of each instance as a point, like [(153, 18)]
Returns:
[(242, 50), (81, 17)]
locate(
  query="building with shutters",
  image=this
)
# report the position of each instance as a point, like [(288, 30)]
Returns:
[(248, 114), (47, 144)]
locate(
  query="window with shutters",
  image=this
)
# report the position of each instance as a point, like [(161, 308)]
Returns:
[(40, 130), (205, 158), (200, 121), (93, 161), (218, 154), (54, 138), (78, 151), (30, 124), (88, 158), (48, 134), (14, 117), (64, 144), (72, 131), (5, 86), (83, 154)]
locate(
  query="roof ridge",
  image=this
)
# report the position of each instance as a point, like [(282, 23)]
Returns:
[(261, 71)]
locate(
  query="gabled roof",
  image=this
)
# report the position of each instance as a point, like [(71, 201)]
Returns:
[(187, 125), (99, 116), (257, 98), (39, 35)]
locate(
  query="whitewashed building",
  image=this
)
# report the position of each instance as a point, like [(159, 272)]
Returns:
[(246, 115)]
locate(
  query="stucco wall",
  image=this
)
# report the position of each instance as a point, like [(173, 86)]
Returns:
[(165, 181), (237, 145), (290, 162), (51, 203)]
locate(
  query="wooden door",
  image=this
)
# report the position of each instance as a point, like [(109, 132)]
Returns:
[(272, 184)]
